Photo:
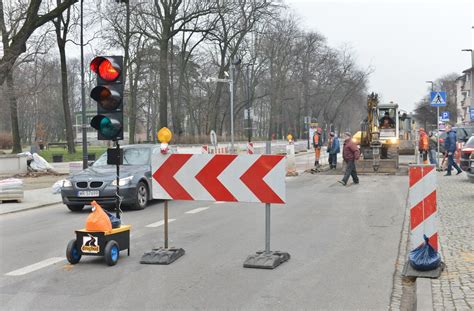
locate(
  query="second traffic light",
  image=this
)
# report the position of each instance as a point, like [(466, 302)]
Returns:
[(109, 97)]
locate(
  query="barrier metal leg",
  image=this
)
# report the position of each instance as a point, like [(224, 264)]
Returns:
[(266, 259), (163, 255)]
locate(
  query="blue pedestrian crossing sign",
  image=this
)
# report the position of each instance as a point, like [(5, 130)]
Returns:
[(438, 99), (445, 116)]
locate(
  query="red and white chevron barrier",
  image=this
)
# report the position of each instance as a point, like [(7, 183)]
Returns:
[(229, 178), (250, 149), (422, 202)]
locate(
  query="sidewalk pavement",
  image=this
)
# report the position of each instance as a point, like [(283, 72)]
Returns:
[(32, 199), (455, 288)]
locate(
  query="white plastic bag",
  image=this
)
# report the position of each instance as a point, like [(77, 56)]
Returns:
[(40, 164), (27, 154), (56, 188)]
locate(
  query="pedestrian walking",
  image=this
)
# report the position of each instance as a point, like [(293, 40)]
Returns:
[(450, 147), (333, 149), (350, 153), (423, 145), (317, 144), (433, 146)]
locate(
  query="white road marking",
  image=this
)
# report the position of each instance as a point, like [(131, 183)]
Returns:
[(197, 210), (36, 266), (159, 223), (219, 202)]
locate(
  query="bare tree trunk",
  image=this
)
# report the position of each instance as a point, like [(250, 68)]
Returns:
[(175, 118), (65, 99), (164, 78), (13, 113)]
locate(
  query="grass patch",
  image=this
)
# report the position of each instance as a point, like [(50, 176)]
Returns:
[(67, 157)]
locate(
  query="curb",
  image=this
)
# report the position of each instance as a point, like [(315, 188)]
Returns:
[(30, 208), (424, 296)]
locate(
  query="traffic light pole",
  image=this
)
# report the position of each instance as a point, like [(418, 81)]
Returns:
[(117, 199)]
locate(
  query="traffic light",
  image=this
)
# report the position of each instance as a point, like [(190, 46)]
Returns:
[(109, 97)]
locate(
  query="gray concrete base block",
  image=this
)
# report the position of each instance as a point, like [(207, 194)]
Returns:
[(262, 260), (162, 256), (432, 274)]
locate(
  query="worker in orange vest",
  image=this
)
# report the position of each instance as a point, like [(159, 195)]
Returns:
[(424, 145), (317, 144)]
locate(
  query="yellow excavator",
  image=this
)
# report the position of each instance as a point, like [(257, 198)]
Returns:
[(379, 137)]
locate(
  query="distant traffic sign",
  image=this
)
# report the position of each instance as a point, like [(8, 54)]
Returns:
[(438, 99), (445, 116), (213, 138), (472, 113)]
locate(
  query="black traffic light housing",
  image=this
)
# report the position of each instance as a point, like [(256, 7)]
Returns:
[(109, 97)]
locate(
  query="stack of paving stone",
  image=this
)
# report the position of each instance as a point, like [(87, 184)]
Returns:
[(11, 189)]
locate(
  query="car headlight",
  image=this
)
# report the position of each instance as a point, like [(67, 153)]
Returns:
[(393, 140), (67, 183), (123, 181)]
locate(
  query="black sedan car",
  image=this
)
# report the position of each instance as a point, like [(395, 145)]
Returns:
[(98, 182)]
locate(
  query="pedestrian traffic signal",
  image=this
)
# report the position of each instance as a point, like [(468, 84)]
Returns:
[(109, 97)]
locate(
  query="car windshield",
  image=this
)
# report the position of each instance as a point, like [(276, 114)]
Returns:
[(470, 143), (387, 118), (131, 156)]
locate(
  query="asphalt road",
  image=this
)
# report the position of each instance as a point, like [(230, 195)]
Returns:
[(343, 242)]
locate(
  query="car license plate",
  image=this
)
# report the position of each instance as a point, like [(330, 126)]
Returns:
[(376, 151), (88, 194)]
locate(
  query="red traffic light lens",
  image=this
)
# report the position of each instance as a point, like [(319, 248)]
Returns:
[(105, 68), (108, 72)]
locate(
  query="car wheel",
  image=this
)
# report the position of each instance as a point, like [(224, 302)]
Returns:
[(141, 196), (72, 254), (75, 208), (111, 253)]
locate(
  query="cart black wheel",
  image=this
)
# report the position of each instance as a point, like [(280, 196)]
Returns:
[(75, 208), (72, 253), (111, 253), (141, 196)]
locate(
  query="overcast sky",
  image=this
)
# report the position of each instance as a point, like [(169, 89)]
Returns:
[(407, 42)]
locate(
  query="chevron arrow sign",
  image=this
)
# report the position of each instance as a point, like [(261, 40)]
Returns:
[(220, 177)]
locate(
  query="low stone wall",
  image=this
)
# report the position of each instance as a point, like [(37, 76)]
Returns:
[(12, 164)]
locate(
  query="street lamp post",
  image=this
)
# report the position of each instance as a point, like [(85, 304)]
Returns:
[(471, 76), (83, 96), (231, 88)]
